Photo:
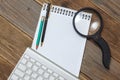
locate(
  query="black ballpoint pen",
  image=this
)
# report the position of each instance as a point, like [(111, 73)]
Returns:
[(45, 24)]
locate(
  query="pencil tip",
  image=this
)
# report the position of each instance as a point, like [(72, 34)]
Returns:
[(36, 47)]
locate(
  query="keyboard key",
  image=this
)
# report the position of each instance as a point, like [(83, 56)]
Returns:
[(26, 77), (29, 71), (49, 71), (14, 77), (22, 67), (35, 68), (55, 74), (46, 75), (61, 78), (29, 64), (34, 75), (38, 64), (19, 73), (26, 56), (23, 61), (51, 78), (43, 67), (32, 79), (40, 78), (32, 60), (40, 71)]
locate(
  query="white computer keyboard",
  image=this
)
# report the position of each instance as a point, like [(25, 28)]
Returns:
[(33, 66)]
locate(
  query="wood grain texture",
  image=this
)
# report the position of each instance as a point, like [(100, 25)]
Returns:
[(92, 65), (16, 15), (22, 13), (5, 68), (13, 42), (111, 7), (84, 77)]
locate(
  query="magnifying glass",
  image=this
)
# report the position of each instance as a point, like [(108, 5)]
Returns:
[(94, 32)]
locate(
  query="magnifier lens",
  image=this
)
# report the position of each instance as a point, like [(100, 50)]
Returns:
[(81, 21)]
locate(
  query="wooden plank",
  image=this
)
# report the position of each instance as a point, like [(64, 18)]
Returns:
[(93, 68), (84, 77), (24, 16), (111, 7), (92, 62), (22, 13), (111, 26), (13, 42), (5, 68)]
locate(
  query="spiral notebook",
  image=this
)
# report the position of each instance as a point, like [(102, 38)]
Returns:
[(62, 44)]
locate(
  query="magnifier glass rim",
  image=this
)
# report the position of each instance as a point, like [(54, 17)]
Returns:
[(97, 13)]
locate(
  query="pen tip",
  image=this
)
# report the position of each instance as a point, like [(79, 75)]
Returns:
[(107, 67), (36, 47), (41, 43)]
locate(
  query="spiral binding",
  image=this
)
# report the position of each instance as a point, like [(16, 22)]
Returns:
[(66, 12)]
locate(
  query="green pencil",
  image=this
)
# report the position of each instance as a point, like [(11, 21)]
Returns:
[(40, 31)]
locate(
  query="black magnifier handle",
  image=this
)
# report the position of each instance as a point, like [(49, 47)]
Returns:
[(106, 55)]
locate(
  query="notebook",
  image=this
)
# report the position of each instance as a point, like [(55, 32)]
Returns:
[(62, 44)]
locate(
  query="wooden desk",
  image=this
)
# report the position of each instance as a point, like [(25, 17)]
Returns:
[(18, 20)]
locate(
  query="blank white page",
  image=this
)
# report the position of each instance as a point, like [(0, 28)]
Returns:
[(62, 44)]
